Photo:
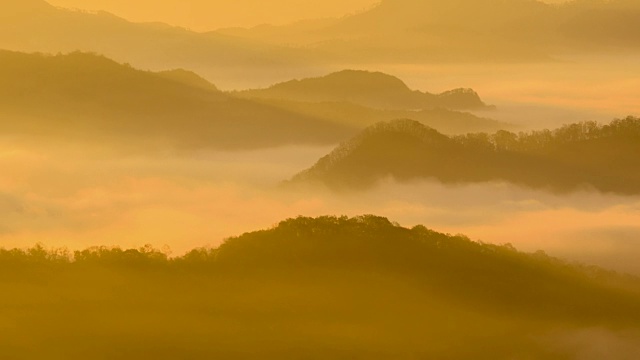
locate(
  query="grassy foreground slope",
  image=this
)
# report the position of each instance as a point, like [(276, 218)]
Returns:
[(316, 288)]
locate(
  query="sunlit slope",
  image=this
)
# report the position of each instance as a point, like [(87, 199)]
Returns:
[(576, 156), (83, 95), (340, 288), (34, 25), (371, 89)]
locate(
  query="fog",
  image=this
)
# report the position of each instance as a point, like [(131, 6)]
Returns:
[(54, 194), (530, 95), (120, 141), (534, 95), (542, 95)]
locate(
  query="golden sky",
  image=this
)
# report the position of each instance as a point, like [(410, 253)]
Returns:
[(209, 15), (205, 15)]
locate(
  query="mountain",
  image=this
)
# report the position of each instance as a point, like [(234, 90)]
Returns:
[(576, 156), (188, 78), (86, 96), (419, 31), (347, 113), (371, 89), (36, 26), (395, 31), (327, 287), (602, 24)]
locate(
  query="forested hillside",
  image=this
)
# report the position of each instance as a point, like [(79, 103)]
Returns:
[(584, 155), (338, 287)]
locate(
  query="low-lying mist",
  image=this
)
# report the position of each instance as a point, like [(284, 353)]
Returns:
[(534, 95), (77, 195)]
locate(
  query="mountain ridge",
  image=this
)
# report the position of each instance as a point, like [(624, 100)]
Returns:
[(578, 156), (86, 94), (81, 94), (468, 31), (290, 290), (48, 29), (372, 89)]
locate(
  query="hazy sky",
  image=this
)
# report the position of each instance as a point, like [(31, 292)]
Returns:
[(206, 15), (209, 15)]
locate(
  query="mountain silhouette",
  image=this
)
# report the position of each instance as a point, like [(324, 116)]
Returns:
[(79, 95), (418, 31), (36, 26), (371, 89), (326, 287), (576, 156), (373, 242), (398, 31)]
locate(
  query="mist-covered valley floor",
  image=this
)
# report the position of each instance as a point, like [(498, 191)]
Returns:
[(132, 229), (59, 195)]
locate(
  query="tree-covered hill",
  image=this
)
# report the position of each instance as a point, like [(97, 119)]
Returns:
[(327, 287), (575, 156)]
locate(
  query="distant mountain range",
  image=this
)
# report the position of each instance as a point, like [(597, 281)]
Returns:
[(577, 156), (417, 31), (395, 31), (318, 288), (362, 98), (82, 95), (36, 26), (85, 96), (372, 89)]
